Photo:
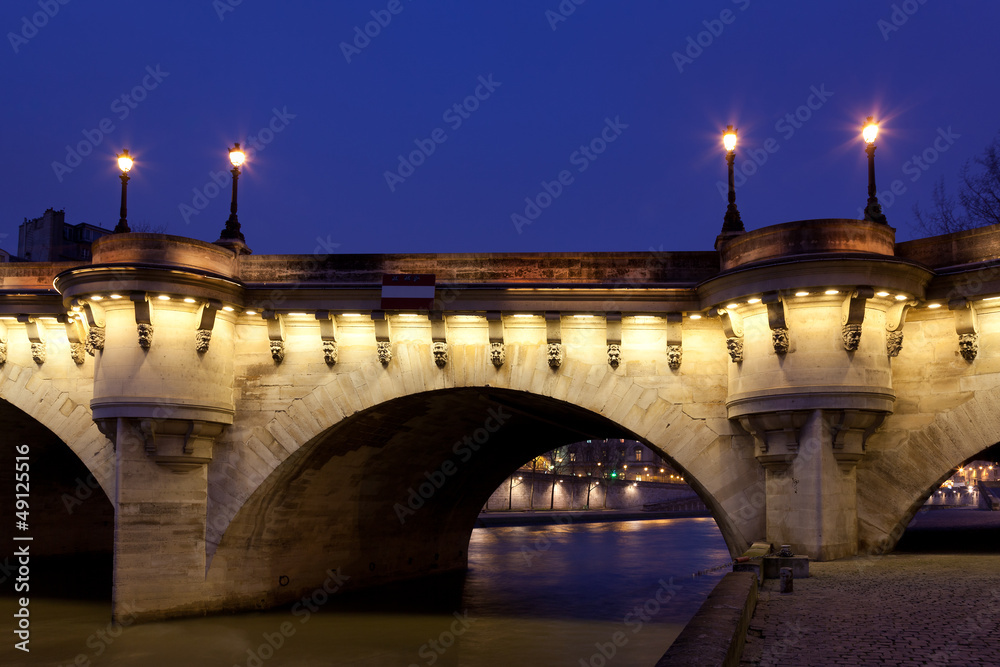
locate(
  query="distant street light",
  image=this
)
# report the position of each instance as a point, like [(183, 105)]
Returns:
[(125, 164), (732, 224), (873, 211), (232, 231)]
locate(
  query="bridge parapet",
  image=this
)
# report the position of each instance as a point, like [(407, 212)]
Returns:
[(599, 269), (957, 249), (808, 237)]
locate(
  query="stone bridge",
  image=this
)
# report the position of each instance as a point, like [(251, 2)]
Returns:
[(258, 421)]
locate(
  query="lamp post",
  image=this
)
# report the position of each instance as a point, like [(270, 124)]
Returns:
[(232, 231), (731, 224), (125, 164), (873, 211)]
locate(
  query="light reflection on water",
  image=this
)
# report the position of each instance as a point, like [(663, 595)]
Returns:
[(534, 595)]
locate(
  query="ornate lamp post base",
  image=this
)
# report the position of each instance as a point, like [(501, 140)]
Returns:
[(237, 245), (873, 213)]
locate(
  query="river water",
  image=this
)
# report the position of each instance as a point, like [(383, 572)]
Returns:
[(533, 595)]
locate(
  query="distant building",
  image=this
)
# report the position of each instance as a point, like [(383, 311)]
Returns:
[(50, 239), (976, 471), (6, 256), (622, 460)]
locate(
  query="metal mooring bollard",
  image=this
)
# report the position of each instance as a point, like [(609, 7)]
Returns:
[(786, 580)]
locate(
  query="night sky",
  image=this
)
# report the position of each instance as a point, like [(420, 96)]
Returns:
[(650, 85)]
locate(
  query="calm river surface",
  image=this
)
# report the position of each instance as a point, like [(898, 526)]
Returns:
[(534, 595)]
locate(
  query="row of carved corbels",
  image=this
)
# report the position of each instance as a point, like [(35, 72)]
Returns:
[(36, 339), (732, 326), (383, 338), (90, 339), (966, 327), (852, 320), (439, 338), (966, 323), (613, 338), (93, 314)]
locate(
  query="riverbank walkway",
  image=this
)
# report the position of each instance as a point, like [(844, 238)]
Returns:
[(897, 609)]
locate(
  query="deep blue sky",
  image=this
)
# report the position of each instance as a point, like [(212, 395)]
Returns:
[(323, 175)]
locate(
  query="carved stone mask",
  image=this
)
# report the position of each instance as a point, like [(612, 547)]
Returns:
[(330, 352), (968, 346), (779, 339), (497, 354), (145, 335), (735, 347), (555, 355), (674, 354), (852, 336), (440, 351)]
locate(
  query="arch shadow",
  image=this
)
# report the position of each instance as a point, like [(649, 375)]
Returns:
[(392, 492), (68, 515)]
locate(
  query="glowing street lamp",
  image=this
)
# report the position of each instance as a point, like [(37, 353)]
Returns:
[(232, 231), (125, 164), (873, 211), (732, 224)]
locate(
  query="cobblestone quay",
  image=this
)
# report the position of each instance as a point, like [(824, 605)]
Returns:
[(899, 609)]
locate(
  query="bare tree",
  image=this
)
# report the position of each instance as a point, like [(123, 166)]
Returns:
[(145, 226), (977, 203), (558, 460)]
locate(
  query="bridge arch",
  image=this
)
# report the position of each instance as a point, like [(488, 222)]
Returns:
[(395, 464), (69, 516), (60, 407), (903, 467)]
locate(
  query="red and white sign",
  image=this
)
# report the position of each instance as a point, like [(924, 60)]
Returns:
[(408, 291)]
